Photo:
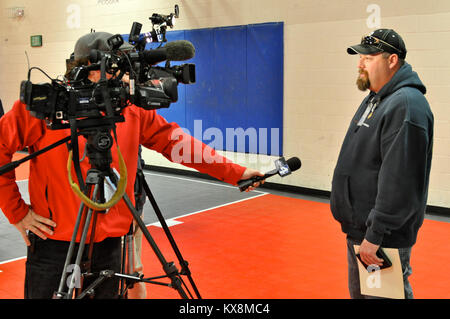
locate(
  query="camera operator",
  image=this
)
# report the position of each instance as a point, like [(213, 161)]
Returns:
[(46, 225)]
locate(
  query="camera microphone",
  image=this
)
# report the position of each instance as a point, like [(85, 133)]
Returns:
[(179, 50), (283, 168)]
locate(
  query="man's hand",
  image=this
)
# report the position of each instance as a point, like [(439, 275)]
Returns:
[(368, 253), (249, 173), (35, 223)]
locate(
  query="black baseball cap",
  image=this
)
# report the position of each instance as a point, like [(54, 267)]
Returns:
[(380, 40), (96, 41)]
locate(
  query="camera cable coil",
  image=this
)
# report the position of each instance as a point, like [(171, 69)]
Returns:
[(121, 185)]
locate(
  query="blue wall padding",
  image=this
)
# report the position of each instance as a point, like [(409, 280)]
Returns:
[(239, 84)]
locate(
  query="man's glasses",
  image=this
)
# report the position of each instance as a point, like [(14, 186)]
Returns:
[(371, 40)]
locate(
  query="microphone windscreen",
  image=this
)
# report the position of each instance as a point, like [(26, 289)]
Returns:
[(294, 163), (179, 50), (154, 56)]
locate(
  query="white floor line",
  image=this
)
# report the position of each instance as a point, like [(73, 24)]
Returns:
[(174, 221), (11, 260), (197, 181)]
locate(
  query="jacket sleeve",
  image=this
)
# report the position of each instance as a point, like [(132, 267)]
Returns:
[(18, 129), (172, 142), (402, 182)]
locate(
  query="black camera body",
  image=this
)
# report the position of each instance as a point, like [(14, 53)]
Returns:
[(59, 103)]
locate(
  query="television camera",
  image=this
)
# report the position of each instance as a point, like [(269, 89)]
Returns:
[(149, 86)]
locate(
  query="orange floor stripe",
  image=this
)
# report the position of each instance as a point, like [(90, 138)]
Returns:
[(269, 247), (429, 259), (11, 279)]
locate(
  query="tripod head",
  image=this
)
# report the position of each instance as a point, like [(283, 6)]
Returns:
[(99, 142)]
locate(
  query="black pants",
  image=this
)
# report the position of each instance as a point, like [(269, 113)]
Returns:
[(45, 263)]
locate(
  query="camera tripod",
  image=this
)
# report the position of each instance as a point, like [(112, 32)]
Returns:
[(99, 143)]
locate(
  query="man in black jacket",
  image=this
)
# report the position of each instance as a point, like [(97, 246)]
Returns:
[(380, 183)]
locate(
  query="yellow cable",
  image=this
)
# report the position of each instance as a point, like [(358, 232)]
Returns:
[(120, 191)]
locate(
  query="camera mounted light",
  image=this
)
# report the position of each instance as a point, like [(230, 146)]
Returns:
[(160, 19), (160, 23), (115, 42)]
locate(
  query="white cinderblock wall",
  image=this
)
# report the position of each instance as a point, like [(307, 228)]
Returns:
[(319, 92)]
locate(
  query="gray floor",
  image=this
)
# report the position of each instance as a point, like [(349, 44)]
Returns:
[(175, 195)]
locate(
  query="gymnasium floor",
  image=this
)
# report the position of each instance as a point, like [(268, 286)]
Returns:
[(259, 245)]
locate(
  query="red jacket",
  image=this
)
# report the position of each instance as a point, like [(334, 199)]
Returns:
[(50, 193)]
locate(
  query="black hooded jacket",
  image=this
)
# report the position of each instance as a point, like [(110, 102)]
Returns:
[(380, 183)]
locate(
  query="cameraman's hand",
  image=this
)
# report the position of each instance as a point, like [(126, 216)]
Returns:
[(249, 173), (35, 223)]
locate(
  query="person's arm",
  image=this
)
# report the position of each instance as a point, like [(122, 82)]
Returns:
[(37, 224), (19, 129), (177, 146), (249, 173)]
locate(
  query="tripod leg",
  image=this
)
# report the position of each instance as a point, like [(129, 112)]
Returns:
[(184, 266), (76, 270), (169, 268), (59, 293), (126, 259), (137, 290), (130, 255), (83, 241)]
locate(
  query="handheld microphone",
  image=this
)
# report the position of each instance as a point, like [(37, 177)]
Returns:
[(283, 168), (179, 50)]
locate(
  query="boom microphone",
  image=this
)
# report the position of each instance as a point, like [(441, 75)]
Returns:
[(179, 50), (283, 168)]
